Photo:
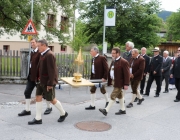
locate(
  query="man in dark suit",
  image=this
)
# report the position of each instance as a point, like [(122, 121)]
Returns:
[(147, 60), (129, 46), (128, 55), (166, 70), (155, 72), (35, 55), (46, 79), (175, 72), (137, 65), (99, 70), (119, 76)]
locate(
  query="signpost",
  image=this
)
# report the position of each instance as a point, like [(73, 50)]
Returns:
[(30, 30), (109, 20)]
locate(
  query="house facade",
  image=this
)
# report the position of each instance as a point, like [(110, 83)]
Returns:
[(17, 42)]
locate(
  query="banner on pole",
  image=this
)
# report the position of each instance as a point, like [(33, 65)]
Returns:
[(110, 18)]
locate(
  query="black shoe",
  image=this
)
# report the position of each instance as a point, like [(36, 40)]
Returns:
[(176, 100), (136, 99), (156, 96), (145, 95), (120, 112), (48, 111), (34, 121), (90, 108), (62, 118), (106, 104), (24, 113), (140, 101), (103, 111), (129, 105), (165, 91)]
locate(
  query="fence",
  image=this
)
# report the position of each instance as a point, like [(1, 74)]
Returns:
[(66, 66), (15, 64), (10, 63)]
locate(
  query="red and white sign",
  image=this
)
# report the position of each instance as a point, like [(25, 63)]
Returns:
[(29, 28)]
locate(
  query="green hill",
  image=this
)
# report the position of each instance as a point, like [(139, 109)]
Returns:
[(164, 14)]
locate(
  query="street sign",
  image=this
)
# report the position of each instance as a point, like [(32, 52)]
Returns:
[(110, 18), (29, 28), (29, 37)]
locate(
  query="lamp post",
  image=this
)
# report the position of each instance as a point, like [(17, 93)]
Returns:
[(32, 2)]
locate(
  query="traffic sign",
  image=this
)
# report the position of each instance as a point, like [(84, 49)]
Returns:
[(29, 28), (29, 37)]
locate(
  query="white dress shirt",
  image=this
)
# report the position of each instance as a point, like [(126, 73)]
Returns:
[(93, 71)]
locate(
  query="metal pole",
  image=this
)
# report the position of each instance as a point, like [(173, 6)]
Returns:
[(104, 28), (32, 2)]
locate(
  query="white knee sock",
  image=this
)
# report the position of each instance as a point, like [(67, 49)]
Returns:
[(173, 86), (38, 110), (124, 92), (170, 86), (59, 107), (93, 97), (133, 97), (27, 106), (48, 104), (106, 97), (139, 95), (111, 102), (122, 106)]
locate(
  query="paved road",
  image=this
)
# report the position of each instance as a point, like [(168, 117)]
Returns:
[(155, 119)]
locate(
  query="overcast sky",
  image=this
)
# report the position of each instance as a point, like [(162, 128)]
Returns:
[(170, 5)]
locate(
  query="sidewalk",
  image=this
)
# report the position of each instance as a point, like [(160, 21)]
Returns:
[(155, 119)]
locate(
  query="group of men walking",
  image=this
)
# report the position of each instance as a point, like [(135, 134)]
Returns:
[(42, 74), (129, 69)]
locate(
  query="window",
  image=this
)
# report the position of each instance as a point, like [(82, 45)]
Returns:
[(63, 48), (51, 47), (64, 23), (5, 48), (51, 20)]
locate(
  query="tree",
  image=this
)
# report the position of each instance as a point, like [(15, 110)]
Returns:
[(80, 38), (14, 15), (173, 24), (135, 20)]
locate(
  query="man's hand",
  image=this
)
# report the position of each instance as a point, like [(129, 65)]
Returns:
[(154, 72), (162, 70), (144, 74), (131, 76), (125, 87), (103, 80), (49, 87)]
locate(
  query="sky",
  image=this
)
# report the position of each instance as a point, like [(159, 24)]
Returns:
[(170, 5)]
